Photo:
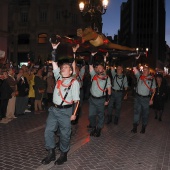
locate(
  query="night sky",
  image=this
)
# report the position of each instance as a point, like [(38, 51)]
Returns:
[(111, 20)]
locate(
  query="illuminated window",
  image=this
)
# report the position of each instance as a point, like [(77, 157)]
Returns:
[(42, 38)]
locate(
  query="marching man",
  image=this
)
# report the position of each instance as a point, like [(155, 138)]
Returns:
[(66, 101)]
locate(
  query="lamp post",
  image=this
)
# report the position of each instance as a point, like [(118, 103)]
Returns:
[(94, 9)]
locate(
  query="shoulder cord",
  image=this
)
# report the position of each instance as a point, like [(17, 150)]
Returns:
[(120, 86), (69, 86), (105, 86), (96, 78), (79, 78), (145, 78)]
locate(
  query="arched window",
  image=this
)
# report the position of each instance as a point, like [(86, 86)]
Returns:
[(42, 38)]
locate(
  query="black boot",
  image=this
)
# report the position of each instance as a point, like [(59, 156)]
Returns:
[(143, 129), (134, 130), (97, 132), (50, 157), (57, 145), (61, 159), (109, 119), (93, 132), (116, 119)]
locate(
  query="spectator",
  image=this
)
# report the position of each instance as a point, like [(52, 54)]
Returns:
[(22, 97), (11, 103), (159, 97), (31, 94), (39, 88), (6, 94)]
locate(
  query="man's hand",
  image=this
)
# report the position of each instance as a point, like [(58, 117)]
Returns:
[(106, 103), (125, 97), (55, 45), (75, 48), (151, 102), (19, 76), (73, 117)]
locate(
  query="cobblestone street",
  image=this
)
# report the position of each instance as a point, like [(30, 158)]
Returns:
[(22, 144)]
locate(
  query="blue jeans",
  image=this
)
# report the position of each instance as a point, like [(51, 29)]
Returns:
[(117, 99), (141, 106), (58, 118), (96, 109)]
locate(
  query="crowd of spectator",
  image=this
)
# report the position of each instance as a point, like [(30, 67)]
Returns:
[(24, 89), (30, 89)]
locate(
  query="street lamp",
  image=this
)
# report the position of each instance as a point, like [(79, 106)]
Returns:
[(94, 9)]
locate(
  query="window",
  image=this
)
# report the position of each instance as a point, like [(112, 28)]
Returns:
[(58, 15), (24, 2), (43, 16), (24, 17), (42, 38)]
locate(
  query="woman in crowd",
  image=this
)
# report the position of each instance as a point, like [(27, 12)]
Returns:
[(39, 88), (159, 97), (22, 98), (31, 94)]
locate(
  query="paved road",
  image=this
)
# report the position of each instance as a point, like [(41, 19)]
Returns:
[(22, 144)]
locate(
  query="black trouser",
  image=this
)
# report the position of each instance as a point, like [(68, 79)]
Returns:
[(31, 101), (3, 108)]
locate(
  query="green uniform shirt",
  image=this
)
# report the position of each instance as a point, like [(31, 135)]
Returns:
[(119, 81), (141, 88), (80, 76), (95, 90), (73, 93)]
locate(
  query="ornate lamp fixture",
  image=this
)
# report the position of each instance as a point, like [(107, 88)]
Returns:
[(94, 8)]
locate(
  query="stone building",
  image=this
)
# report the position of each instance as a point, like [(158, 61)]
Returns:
[(32, 22), (4, 28), (143, 25)]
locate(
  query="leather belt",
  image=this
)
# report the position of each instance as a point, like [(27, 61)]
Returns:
[(142, 96), (117, 90), (102, 97), (63, 106)]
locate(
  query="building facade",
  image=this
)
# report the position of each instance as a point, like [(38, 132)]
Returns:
[(4, 28), (32, 22), (143, 25)]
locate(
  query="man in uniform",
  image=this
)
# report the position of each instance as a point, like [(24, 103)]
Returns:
[(145, 86), (100, 96), (119, 86), (66, 102)]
